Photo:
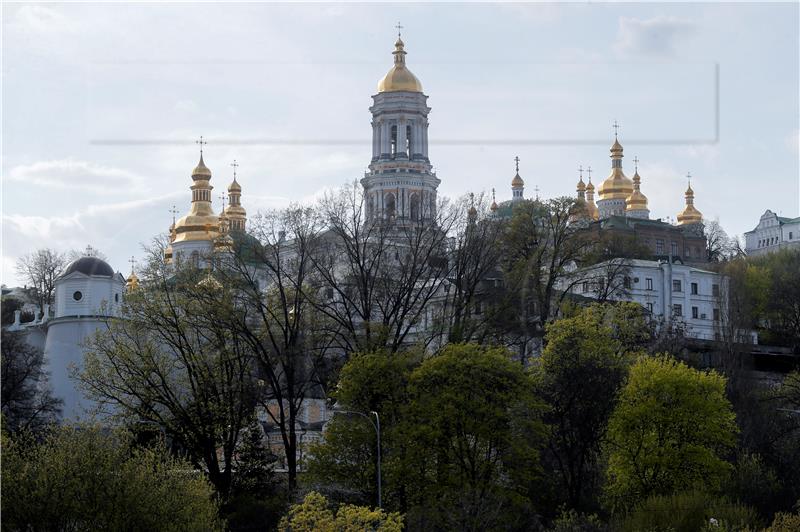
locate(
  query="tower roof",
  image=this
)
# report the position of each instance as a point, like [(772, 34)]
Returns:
[(689, 214), (201, 170), (399, 77), (91, 266), (617, 185), (636, 201)]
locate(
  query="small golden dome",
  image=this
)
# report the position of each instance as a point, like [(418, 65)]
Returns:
[(636, 201), (399, 78), (133, 281), (201, 170), (234, 186), (517, 181), (581, 187), (690, 214)]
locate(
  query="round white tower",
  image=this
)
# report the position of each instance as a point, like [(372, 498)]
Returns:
[(86, 295)]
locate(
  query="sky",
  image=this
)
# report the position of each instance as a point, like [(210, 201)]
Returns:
[(102, 105)]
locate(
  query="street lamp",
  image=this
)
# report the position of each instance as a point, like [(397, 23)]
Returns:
[(377, 426)]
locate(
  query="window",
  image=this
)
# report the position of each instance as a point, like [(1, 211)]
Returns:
[(677, 310), (415, 206), (626, 282), (715, 290), (695, 313), (389, 205), (716, 314), (676, 285), (601, 284), (694, 289), (790, 235), (478, 307), (674, 248), (648, 284), (650, 308), (408, 142), (116, 298), (585, 287), (393, 142), (77, 296), (659, 247)]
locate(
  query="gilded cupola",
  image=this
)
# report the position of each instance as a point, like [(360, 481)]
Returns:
[(201, 223), (636, 203), (399, 77), (690, 214), (591, 207), (617, 185)]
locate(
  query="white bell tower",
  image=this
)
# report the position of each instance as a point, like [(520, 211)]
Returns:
[(400, 186)]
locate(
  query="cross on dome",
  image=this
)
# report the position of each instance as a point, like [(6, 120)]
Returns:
[(132, 262), (201, 142), (235, 166), (636, 163), (616, 128), (516, 160), (399, 27)]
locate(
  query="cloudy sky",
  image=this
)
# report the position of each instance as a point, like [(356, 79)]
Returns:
[(102, 103)]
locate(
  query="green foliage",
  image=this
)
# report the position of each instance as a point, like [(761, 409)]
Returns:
[(472, 433), (88, 479), (785, 522), (689, 512), (573, 521), (315, 515), (754, 482), (343, 464), (579, 373), (670, 427)]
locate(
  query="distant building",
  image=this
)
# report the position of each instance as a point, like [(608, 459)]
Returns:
[(772, 233), (672, 292)]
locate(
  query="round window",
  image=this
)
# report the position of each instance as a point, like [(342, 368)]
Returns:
[(77, 296)]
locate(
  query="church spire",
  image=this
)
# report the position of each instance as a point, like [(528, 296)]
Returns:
[(235, 213), (517, 184)]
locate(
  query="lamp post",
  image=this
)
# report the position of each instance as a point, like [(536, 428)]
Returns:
[(377, 426)]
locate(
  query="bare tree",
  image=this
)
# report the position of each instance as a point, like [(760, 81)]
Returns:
[(41, 269), (171, 359), (541, 247), (719, 246), (27, 401), (271, 271), (380, 274), (474, 272)]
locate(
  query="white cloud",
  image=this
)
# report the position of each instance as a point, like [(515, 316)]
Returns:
[(188, 106), (656, 36), (41, 19), (72, 174)]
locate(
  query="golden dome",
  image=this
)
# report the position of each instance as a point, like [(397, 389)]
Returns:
[(690, 214), (591, 207), (234, 186), (636, 201), (581, 187), (399, 78), (201, 170), (517, 181), (133, 281), (617, 185)]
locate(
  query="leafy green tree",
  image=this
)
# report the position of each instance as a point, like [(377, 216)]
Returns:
[(689, 512), (343, 465), (582, 367), (668, 431), (86, 478), (472, 435), (315, 515)]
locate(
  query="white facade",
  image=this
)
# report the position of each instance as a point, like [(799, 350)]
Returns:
[(772, 233), (672, 292)]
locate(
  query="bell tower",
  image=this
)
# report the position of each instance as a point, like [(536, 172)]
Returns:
[(400, 185)]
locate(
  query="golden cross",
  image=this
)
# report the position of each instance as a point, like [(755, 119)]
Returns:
[(399, 27), (235, 166), (516, 160), (636, 163), (132, 260), (580, 170), (174, 211), (589, 172), (616, 128), (201, 142)]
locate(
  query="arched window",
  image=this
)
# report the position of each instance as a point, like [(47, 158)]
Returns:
[(408, 141), (393, 145), (196, 259), (389, 205), (415, 202)]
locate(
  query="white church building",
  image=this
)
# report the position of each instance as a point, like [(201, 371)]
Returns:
[(772, 233)]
